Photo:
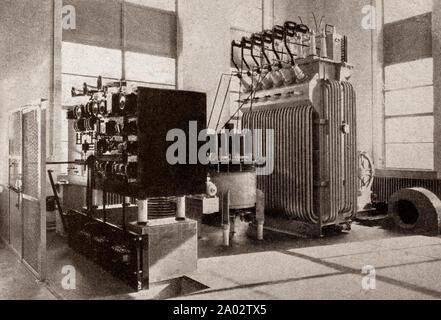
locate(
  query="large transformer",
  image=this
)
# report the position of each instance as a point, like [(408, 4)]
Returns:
[(295, 85), (314, 183)]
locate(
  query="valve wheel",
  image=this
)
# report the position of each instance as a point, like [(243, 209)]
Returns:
[(366, 171)]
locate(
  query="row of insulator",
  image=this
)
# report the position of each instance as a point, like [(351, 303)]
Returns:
[(113, 128), (92, 109), (122, 104), (104, 146), (129, 170), (282, 75)]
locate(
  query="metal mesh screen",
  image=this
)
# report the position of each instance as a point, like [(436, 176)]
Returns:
[(4, 215), (30, 154), (31, 232), (10, 218), (15, 135), (31, 183)]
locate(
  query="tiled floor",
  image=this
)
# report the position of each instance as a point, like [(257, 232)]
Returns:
[(281, 267)]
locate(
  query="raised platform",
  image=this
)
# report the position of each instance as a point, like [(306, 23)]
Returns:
[(162, 250), (171, 249)]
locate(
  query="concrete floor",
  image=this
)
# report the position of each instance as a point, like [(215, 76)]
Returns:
[(16, 282), (281, 267)]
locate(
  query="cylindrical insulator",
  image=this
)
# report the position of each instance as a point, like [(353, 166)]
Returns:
[(288, 74), (260, 230), (115, 168), (323, 46), (79, 111), (95, 109), (109, 167), (226, 235), (103, 107), (143, 211), (277, 78), (267, 82), (132, 170), (121, 169), (97, 198), (180, 208), (102, 166), (299, 74), (313, 45), (122, 102)]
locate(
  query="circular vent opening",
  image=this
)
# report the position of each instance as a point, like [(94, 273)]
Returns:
[(407, 212)]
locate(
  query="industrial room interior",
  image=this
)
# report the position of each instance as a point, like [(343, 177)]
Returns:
[(220, 150)]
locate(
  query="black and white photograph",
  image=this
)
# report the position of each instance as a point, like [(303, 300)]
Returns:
[(237, 152)]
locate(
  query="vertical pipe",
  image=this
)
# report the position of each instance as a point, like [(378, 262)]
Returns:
[(123, 40), (260, 213), (104, 205), (95, 198), (226, 218)]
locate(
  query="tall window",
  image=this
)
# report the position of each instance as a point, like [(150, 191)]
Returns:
[(134, 39), (408, 85), (96, 47)]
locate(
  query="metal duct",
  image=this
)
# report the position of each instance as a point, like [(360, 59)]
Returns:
[(385, 187)]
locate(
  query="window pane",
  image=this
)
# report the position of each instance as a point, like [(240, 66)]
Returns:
[(148, 68), (90, 60), (395, 10), (409, 101), (409, 130), (169, 5), (409, 74), (410, 156)]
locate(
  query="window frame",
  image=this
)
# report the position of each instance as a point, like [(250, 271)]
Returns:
[(384, 117)]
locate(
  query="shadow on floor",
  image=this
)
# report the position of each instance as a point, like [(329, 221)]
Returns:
[(92, 282)]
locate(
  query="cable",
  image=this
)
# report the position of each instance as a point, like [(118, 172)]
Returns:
[(243, 103), (217, 93)]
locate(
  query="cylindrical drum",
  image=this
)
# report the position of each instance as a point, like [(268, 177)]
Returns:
[(242, 187)]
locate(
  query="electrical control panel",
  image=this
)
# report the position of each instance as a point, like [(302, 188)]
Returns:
[(128, 131)]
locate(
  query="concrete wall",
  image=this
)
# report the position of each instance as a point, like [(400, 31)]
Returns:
[(347, 16), (436, 47), (204, 39)]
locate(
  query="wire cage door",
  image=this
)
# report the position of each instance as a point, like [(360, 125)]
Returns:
[(34, 189), (15, 214)]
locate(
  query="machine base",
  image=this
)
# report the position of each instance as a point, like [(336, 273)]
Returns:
[(164, 249), (297, 228)]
